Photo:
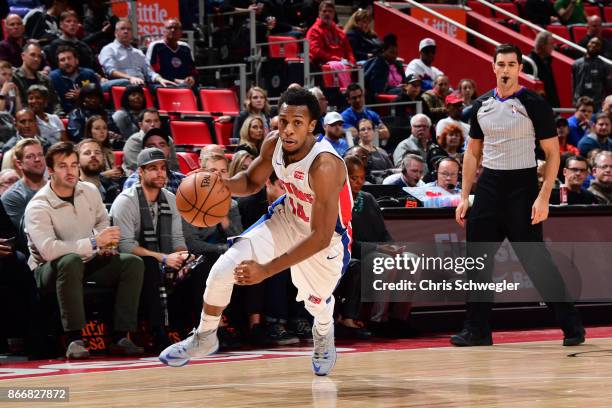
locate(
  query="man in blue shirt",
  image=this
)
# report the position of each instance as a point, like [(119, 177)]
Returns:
[(69, 77), (358, 111), (334, 132), (580, 123)]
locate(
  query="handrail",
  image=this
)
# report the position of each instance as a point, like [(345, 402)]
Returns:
[(538, 28), (419, 105), (360, 75), (242, 74), (470, 31)]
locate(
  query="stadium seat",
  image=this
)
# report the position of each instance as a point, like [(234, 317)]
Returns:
[(592, 11), (480, 8), (509, 7), (188, 161), (285, 50), (117, 93), (65, 122), (219, 101), (561, 31), (527, 31), (384, 98), (118, 157), (329, 80), (223, 132), (190, 133), (608, 14), (578, 32), (180, 100)]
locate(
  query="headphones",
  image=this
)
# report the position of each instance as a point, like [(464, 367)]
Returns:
[(439, 161)]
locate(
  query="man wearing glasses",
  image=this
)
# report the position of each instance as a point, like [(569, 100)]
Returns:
[(601, 187), (357, 111), (575, 173)]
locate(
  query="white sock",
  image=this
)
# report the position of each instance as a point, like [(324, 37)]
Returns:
[(208, 323), (323, 326)]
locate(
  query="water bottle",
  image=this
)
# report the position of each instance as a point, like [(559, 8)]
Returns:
[(563, 194)]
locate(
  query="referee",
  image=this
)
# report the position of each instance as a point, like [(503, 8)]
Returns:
[(505, 124)]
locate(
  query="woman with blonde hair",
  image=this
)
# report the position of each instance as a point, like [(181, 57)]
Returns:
[(255, 104), (364, 41), (251, 135), (240, 162)]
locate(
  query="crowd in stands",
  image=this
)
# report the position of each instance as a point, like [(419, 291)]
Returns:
[(71, 213)]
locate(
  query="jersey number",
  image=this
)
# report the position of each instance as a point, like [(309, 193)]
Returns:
[(298, 210)]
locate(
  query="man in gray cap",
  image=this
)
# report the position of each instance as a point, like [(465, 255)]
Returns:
[(334, 132), (151, 228)]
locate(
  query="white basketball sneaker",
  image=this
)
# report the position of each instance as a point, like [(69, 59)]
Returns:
[(324, 351), (195, 346)]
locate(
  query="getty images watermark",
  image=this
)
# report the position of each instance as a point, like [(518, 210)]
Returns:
[(443, 272)]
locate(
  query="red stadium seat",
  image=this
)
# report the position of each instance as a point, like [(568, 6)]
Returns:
[(118, 157), (607, 14), (188, 161), (527, 31), (480, 8), (285, 50), (561, 31), (65, 122), (220, 101), (117, 93), (384, 98), (177, 100), (329, 80), (223, 131), (578, 32), (509, 7), (592, 11), (190, 133)]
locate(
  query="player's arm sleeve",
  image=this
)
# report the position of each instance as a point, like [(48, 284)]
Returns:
[(542, 117), (475, 129)]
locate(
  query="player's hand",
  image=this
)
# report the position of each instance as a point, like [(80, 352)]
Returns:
[(539, 211), (249, 273), (461, 210)]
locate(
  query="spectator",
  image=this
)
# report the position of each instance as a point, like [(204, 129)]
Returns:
[(50, 126), (454, 107), (329, 44), (12, 47), (69, 77), (251, 135), (256, 103), (571, 11), (30, 161), (90, 102), (41, 23), (27, 128), (357, 111), (447, 172), (563, 133), (10, 98), (594, 29), (606, 106), (8, 177), (417, 142), (580, 122), (323, 106), (69, 237), (91, 165), (601, 187), (378, 158), (132, 104), (125, 65), (541, 12), (147, 120), (211, 149), (364, 41), (542, 56), (411, 174), (240, 162), (412, 93), (334, 132), (172, 58), (466, 88), (590, 75), (159, 139), (28, 75), (451, 139), (575, 173), (96, 128), (423, 67), (384, 73), (436, 97), (69, 26), (149, 210), (99, 24), (599, 138)]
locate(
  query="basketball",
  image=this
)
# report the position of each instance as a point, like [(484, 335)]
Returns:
[(203, 199)]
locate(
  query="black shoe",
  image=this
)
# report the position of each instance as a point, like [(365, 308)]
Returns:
[(468, 338), (279, 336), (575, 339), (228, 338), (301, 328), (353, 333), (258, 336)]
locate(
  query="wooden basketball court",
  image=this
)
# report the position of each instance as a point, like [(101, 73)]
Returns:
[(403, 373)]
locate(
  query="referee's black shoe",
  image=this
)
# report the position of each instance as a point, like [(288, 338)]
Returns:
[(574, 339), (469, 337)]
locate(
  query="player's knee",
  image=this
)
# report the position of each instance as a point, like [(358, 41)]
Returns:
[(222, 272), (317, 306)]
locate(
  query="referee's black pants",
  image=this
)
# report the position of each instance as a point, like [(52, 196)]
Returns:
[(502, 209)]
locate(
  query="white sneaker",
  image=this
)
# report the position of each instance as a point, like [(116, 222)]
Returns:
[(195, 346), (324, 351), (76, 350)]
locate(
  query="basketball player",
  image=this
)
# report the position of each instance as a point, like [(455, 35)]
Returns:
[(307, 229), (505, 124)]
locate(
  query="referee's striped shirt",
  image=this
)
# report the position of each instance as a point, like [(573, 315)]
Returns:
[(510, 127)]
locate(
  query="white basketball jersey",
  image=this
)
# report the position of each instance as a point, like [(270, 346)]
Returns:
[(299, 196)]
